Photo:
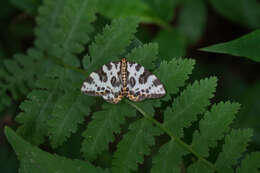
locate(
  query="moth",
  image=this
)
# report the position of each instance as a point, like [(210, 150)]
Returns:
[(119, 79)]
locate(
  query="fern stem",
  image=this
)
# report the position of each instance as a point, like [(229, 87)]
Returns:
[(173, 136)]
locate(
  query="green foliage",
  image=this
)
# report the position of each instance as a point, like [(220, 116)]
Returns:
[(127, 134), (192, 20), (172, 44), (247, 46), (214, 125), (111, 43), (29, 6), (35, 160), (250, 164), (100, 131), (244, 12), (18, 75), (235, 144), (134, 146)]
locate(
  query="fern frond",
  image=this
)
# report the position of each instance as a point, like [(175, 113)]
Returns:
[(100, 131), (169, 158), (173, 74), (74, 26), (250, 164), (192, 101), (144, 55), (134, 146), (39, 107), (19, 74), (33, 159), (68, 112), (47, 22), (213, 126), (235, 144), (111, 43)]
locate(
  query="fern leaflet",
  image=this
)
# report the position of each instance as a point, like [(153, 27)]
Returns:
[(34, 160), (111, 43), (250, 164), (68, 112), (235, 144), (100, 131), (134, 145)]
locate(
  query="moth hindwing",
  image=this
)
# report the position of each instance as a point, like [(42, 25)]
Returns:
[(119, 79)]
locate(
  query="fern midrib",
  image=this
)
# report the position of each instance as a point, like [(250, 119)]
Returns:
[(61, 127), (55, 15), (133, 143), (75, 23), (173, 136), (100, 131), (164, 163), (100, 52), (186, 108)]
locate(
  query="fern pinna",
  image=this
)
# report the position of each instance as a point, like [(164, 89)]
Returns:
[(126, 135)]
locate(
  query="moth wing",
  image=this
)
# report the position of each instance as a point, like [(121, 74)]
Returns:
[(105, 82), (142, 84)]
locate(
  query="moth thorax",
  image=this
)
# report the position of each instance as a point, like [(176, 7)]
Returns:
[(123, 70)]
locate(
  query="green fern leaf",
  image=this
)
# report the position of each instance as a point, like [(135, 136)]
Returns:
[(192, 101), (169, 158), (100, 131), (213, 126), (134, 145), (144, 55), (250, 164), (111, 43), (67, 113), (39, 107), (47, 22), (174, 74), (34, 160), (199, 167), (19, 74), (74, 26), (235, 144)]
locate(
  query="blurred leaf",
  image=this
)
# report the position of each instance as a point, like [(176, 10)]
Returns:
[(250, 108), (245, 12), (171, 44), (137, 8), (250, 163), (124, 8), (32, 159), (8, 161), (29, 6), (192, 20), (164, 9), (247, 46)]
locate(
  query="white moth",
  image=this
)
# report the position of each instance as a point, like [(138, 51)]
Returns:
[(123, 78)]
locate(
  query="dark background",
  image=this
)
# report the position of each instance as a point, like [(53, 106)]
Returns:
[(238, 76)]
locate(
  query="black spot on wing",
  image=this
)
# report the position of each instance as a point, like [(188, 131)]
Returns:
[(156, 82), (89, 80), (137, 67), (102, 75), (132, 81), (109, 66), (143, 77), (113, 81)]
